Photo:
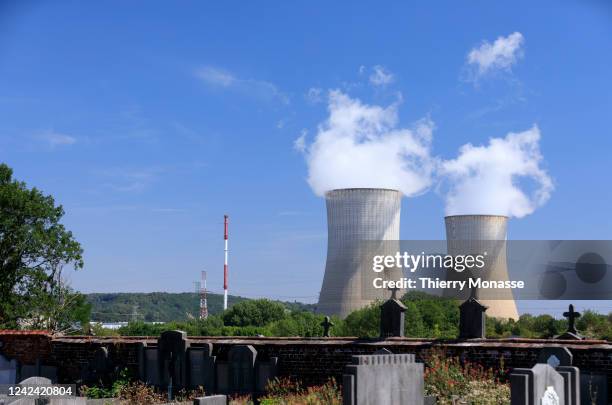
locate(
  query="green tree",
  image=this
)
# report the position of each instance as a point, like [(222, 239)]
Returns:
[(301, 323), (254, 313), (364, 322), (34, 248)]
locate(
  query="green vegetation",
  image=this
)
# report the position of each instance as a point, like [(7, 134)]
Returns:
[(452, 381), (134, 392), (285, 391), (254, 313), (160, 306), (590, 324), (427, 317), (34, 248)]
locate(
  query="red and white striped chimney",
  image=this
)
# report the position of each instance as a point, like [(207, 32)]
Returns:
[(225, 236)]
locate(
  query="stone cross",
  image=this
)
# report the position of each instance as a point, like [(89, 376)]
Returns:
[(571, 316), (326, 324)]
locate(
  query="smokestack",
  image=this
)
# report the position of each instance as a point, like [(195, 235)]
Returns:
[(355, 215), (473, 235), (225, 237)]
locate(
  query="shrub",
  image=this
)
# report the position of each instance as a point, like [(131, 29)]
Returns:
[(448, 379), (254, 313), (289, 392)]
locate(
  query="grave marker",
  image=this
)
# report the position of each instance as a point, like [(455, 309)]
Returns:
[(383, 379)]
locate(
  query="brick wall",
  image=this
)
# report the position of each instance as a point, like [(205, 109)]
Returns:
[(311, 360), (26, 346)]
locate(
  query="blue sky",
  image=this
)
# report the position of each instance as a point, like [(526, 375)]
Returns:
[(150, 120)]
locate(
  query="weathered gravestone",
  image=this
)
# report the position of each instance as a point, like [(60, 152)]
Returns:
[(148, 364), (36, 381), (594, 388), (392, 314), (561, 359), (539, 385), (383, 379), (99, 367), (243, 372), (201, 367), (172, 358), (264, 372), (472, 319), (211, 400), (241, 361), (38, 370), (8, 370)]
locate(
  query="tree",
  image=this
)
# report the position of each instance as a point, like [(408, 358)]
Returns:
[(34, 248), (254, 313), (364, 322)]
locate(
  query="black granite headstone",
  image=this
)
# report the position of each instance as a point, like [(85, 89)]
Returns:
[(202, 367), (172, 358), (392, 314), (241, 359), (472, 319)]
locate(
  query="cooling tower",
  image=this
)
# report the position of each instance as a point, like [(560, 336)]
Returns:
[(473, 235), (355, 215)]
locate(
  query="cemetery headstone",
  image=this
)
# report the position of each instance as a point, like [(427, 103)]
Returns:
[(38, 370), (151, 366), (540, 384), (172, 358), (383, 379), (8, 370), (202, 367), (472, 319), (571, 384), (99, 366), (392, 314), (211, 400), (264, 372), (35, 381), (593, 388), (327, 324), (241, 362), (571, 333), (561, 359)]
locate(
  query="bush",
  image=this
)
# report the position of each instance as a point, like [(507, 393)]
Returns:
[(448, 379), (289, 392), (254, 313)]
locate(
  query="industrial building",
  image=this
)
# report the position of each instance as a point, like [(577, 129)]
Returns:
[(475, 234), (355, 215)]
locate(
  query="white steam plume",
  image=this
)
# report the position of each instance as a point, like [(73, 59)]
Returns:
[(485, 179), (360, 145)]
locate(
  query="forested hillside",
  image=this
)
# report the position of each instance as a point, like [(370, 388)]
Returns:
[(159, 306)]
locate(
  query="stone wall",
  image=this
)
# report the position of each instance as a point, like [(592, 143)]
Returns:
[(311, 360)]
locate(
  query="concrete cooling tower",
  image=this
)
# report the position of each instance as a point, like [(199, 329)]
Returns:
[(475, 234), (355, 215)]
